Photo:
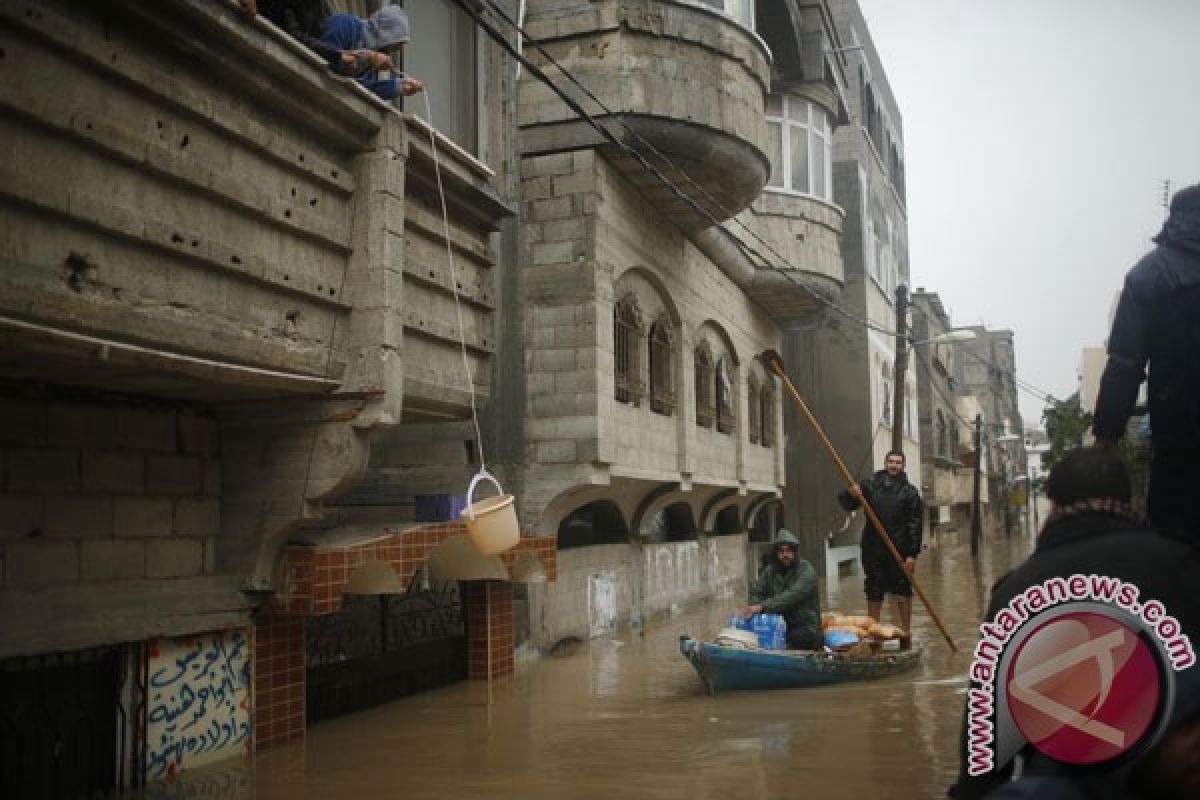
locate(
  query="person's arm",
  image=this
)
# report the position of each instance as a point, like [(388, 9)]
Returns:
[(758, 590), (849, 500), (802, 584), (1128, 351), (916, 522)]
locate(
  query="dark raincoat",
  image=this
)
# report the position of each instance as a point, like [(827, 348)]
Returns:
[(791, 592)]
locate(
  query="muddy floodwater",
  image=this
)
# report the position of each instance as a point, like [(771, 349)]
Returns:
[(629, 717)]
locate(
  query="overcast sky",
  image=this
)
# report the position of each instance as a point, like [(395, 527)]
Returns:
[(1038, 134)]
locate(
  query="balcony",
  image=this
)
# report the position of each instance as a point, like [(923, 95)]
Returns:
[(685, 78), (209, 214)]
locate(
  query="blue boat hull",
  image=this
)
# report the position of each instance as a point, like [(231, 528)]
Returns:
[(730, 668)]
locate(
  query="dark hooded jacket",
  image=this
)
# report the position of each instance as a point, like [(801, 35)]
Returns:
[(791, 592), (1162, 566), (304, 20), (898, 505), (1158, 321)]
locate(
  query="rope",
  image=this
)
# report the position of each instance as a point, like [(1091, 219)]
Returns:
[(462, 337)]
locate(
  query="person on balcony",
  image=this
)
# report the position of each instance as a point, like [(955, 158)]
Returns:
[(349, 49), (380, 34), (788, 586), (898, 505)]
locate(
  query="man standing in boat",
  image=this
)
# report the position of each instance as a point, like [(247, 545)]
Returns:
[(898, 505), (788, 586)]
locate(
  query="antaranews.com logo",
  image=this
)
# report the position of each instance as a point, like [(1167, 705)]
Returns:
[(1092, 678)]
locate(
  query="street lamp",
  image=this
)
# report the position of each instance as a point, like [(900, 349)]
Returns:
[(962, 335)]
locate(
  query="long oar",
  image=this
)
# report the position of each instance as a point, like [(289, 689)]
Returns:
[(774, 363)]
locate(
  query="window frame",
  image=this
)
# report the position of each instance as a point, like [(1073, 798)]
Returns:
[(753, 410), (704, 371), (727, 411), (660, 351), (784, 124), (628, 384)]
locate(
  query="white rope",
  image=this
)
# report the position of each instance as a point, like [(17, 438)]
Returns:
[(462, 337)]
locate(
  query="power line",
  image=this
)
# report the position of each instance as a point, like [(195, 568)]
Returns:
[(752, 254)]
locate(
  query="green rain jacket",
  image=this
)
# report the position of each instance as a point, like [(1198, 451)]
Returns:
[(791, 592)]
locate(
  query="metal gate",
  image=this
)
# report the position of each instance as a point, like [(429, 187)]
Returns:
[(379, 648), (63, 724)]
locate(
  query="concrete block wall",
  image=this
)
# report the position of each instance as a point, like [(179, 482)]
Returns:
[(101, 495), (621, 244)]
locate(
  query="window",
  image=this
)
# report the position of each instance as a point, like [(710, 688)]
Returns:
[(705, 410), (799, 146), (627, 336), (442, 53), (767, 398), (753, 411), (662, 379), (940, 443), (741, 10), (910, 413), (726, 418)]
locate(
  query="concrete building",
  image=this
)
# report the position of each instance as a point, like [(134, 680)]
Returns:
[(987, 371), (223, 282), (946, 446), (844, 368), (635, 424)]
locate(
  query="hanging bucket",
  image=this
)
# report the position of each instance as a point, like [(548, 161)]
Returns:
[(492, 521)]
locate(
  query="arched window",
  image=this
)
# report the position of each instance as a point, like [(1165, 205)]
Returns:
[(753, 411), (955, 448), (705, 410), (662, 376), (939, 425), (725, 381), (768, 414), (627, 336)]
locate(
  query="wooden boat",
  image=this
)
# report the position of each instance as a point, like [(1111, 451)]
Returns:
[(726, 668)]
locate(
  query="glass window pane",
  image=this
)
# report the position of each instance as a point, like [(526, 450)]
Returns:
[(820, 121), (798, 110), (799, 158), (818, 162), (775, 153), (774, 105)]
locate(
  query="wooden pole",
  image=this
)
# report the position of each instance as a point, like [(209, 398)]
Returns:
[(775, 364)]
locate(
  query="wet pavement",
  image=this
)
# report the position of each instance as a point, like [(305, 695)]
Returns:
[(630, 717)]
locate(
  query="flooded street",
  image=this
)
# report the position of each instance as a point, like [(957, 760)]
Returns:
[(629, 716)]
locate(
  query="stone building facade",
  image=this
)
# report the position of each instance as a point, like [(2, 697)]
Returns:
[(844, 368), (223, 281), (987, 372)]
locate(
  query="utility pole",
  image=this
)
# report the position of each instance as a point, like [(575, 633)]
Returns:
[(976, 521), (898, 410)]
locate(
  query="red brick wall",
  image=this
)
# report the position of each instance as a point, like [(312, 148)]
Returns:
[(278, 679), (489, 610)]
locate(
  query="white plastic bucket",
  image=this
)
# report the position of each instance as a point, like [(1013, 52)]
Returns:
[(492, 521)]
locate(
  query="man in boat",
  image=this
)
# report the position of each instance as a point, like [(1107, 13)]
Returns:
[(898, 505), (1092, 530), (788, 586)]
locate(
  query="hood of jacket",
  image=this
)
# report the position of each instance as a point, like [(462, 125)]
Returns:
[(784, 536), (1182, 227), (385, 28)]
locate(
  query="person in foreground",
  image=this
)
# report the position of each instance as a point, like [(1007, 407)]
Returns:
[(788, 586), (1092, 530), (1158, 321), (898, 506)]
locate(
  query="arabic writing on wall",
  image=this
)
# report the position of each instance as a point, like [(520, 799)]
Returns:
[(198, 708)]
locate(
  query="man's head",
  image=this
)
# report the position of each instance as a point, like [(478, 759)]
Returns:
[(893, 462), (1088, 473), (786, 545)]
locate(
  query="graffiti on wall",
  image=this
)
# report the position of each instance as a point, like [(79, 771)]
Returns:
[(197, 702)]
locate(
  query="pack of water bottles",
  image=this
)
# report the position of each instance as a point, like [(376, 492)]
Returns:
[(771, 629)]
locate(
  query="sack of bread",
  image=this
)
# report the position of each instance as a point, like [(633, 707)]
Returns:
[(884, 631)]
